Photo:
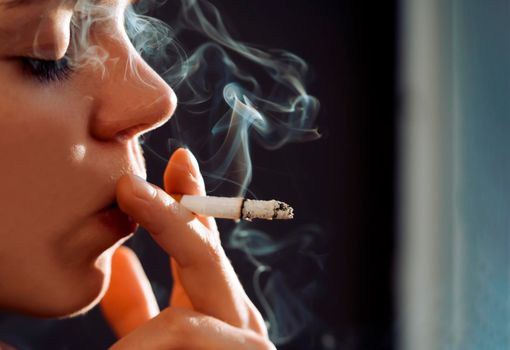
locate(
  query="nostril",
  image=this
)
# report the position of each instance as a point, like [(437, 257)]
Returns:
[(133, 132)]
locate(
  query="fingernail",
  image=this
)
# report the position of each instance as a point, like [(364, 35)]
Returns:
[(142, 189)]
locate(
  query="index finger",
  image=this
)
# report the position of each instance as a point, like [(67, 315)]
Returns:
[(205, 271)]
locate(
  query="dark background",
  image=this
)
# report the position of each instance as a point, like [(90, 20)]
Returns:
[(343, 184)]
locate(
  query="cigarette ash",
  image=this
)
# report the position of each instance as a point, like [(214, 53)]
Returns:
[(268, 210)]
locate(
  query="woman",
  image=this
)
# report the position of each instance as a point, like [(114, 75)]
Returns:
[(70, 118)]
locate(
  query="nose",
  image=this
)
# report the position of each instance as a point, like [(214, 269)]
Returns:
[(132, 99)]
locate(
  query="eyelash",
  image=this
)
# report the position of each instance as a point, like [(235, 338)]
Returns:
[(47, 71)]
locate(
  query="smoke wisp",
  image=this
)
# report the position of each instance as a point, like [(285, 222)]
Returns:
[(235, 107)]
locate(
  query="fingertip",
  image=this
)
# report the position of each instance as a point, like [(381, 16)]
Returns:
[(180, 154), (123, 254), (135, 196), (177, 164), (182, 174), (124, 186), (123, 193)]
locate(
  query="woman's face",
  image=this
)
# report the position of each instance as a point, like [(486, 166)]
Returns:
[(65, 139)]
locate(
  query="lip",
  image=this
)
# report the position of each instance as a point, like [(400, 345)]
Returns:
[(139, 160), (110, 216), (117, 221)]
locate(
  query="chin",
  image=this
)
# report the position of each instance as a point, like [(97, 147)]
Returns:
[(75, 295), (90, 292)]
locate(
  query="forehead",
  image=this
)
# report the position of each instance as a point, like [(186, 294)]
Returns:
[(20, 19)]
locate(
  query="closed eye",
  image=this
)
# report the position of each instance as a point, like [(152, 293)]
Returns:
[(47, 71)]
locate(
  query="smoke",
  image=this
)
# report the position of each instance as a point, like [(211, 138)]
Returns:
[(282, 112), (232, 94), (241, 94), (83, 51), (284, 309)]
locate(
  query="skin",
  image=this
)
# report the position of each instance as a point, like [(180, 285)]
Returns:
[(69, 149), (62, 157)]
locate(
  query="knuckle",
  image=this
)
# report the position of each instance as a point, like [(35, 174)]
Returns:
[(179, 324), (171, 319), (182, 320)]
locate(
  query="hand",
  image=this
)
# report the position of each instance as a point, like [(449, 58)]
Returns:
[(209, 308)]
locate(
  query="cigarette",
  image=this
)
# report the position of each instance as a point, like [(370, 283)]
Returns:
[(236, 207)]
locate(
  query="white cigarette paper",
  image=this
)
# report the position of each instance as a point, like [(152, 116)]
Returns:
[(237, 208)]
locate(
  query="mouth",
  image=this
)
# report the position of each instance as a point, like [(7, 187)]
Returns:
[(113, 205), (138, 159), (116, 221), (111, 216)]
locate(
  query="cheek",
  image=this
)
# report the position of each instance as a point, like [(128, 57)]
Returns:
[(43, 143), (41, 156)]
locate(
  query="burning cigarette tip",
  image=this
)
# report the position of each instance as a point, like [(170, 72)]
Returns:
[(269, 210)]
